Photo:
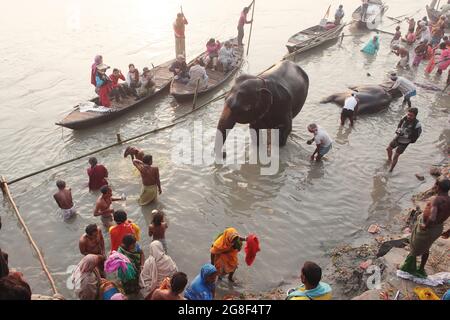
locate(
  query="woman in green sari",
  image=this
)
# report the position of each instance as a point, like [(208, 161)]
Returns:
[(132, 251)]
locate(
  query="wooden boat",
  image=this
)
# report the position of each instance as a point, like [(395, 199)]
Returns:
[(79, 119), (313, 37), (216, 78), (375, 12)]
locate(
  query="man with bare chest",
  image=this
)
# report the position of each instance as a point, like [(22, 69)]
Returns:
[(103, 206), (429, 227), (151, 184), (92, 241), (64, 200)]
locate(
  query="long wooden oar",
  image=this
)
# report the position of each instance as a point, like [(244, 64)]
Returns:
[(251, 26)]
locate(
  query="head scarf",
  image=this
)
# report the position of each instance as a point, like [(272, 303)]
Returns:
[(157, 267), (199, 289), (86, 278), (224, 242)]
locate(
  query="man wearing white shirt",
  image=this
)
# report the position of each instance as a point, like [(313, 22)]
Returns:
[(350, 109), (322, 140)]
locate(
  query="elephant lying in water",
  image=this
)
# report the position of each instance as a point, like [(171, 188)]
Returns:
[(372, 98), (269, 101)]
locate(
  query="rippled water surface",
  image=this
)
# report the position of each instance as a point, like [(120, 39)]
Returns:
[(299, 213)]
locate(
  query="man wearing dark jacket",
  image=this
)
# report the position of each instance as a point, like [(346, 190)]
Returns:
[(408, 131)]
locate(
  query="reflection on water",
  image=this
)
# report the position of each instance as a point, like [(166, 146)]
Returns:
[(298, 213)]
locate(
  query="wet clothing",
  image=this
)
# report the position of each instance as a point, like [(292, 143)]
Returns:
[(421, 240), (372, 46), (68, 213), (148, 194), (97, 177), (226, 257)]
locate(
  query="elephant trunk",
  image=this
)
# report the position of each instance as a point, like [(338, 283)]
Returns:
[(225, 124)]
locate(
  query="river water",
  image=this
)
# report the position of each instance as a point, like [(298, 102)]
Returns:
[(299, 213)]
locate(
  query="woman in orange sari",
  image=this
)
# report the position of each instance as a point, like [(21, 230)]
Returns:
[(224, 252)]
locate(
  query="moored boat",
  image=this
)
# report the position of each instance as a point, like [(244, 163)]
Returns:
[(216, 78), (89, 114), (313, 37), (372, 17)]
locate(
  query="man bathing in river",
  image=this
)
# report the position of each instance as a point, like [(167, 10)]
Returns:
[(408, 131), (151, 184), (428, 228), (322, 139), (103, 206), (350, 109), (92, 241), (97, 175), (64, 200)]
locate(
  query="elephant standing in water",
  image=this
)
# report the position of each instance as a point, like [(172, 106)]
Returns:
[(269, 101)]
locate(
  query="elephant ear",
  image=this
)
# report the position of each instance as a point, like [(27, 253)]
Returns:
[(265, 100)]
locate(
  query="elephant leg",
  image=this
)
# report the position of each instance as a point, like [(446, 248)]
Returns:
[(284, 131)]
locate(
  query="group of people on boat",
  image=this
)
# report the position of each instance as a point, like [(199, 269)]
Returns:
[(109, 87), (217, 57)]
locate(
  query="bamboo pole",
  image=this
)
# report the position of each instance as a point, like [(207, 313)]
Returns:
[(7, 193), (194, 102), (93, 152), (251, 27)]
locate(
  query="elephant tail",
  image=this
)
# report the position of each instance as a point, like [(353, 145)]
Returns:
[(328, 99)]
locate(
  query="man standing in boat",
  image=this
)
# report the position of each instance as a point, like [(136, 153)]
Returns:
[(339, 15), (180, 39), (365, 5), (243, 21)]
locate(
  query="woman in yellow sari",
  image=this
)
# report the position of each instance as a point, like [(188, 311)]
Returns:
[(224, 252)]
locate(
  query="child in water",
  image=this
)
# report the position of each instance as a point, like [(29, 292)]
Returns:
[(157, 228)]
